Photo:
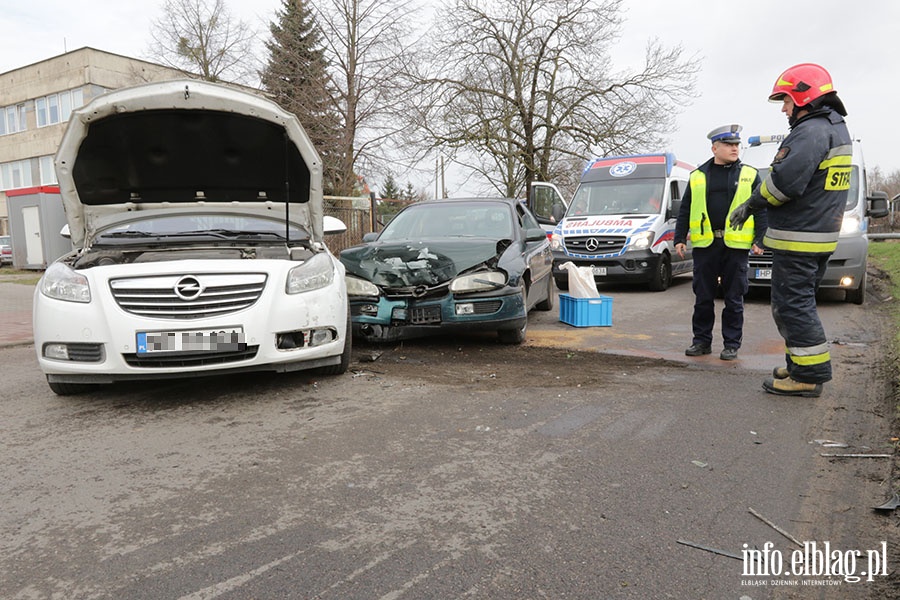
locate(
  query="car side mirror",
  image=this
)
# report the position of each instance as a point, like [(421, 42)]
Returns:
[(535, 234), (370, 237), (877, 205), (65, 232), (333, 225)]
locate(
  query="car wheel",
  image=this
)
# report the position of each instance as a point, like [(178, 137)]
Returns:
[(70, 389), (662, 277), (516, 336), (547, 303), (341, 368), (562, 283), (857, 296)]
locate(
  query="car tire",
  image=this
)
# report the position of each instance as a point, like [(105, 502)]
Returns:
[(70, 389), (562, 283), (662, 276), (516, 336), (341, 368), (547, 303), (857, 296)]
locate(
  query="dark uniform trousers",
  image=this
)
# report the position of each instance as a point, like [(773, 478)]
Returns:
[(711, 263), (795, 280)]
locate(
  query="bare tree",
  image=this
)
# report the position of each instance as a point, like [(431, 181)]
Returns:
[(366, 45), (520, 88), (200, 38)]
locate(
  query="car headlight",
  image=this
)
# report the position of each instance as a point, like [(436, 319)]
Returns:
[(478, 282), (850, 224), (63, 283), (556, 242), (360, 287), (642, 240), (314, 274)]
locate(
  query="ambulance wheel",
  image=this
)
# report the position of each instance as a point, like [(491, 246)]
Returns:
[(857, 296), (662, 276)]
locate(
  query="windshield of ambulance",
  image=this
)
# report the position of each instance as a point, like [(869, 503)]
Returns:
[(852, 196), (618, 197)]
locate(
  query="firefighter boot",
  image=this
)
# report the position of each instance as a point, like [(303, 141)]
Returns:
[(780, 373), (789, 387)]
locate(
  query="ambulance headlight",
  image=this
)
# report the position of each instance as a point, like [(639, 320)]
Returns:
[(642, 241), (556, 242), (850, 224)]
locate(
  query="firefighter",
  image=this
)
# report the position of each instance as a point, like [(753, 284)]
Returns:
[(804, 195), (719, 251)]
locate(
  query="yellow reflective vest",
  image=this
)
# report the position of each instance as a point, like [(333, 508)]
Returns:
[(701, 231)]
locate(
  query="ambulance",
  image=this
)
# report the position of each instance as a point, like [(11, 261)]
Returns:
[(846, 269), (621, 221)]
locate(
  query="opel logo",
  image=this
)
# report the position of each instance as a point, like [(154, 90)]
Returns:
[(592, 244), (188, 288), (419, 291)]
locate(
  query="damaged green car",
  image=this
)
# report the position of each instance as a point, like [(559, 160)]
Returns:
[(450, 266)]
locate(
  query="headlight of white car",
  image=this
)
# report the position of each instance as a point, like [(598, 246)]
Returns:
[(850, 224), (642, 240), (314, 274), (360, 287), (478, 282), (63, 283)]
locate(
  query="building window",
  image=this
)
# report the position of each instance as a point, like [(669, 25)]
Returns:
[(57, 108), (48, 171), (12, 119), (15, 174)]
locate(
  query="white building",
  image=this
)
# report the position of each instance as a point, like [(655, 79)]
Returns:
[(36, 101)]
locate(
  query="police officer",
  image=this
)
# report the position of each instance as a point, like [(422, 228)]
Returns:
[(719, 250), (804, 194)]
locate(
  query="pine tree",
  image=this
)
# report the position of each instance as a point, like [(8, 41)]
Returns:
[(296, 74)]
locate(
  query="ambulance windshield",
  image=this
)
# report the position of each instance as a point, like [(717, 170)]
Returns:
[(633, 197)]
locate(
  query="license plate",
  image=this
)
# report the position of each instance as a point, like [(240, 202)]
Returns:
[(599, 271), (764, 274), (203, 340)]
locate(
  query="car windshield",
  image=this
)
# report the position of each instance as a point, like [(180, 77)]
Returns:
[(638, 196), (450, 219), (205, 226), (4, 240)]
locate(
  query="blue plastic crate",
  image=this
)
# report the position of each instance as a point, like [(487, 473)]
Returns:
[(585, 312)]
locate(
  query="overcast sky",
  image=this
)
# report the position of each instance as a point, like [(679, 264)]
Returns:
[(744, 46)]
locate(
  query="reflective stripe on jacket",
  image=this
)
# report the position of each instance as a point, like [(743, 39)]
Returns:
[(807, 186), (701, 231)]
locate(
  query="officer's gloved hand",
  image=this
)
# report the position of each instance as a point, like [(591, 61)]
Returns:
[(739, 215)]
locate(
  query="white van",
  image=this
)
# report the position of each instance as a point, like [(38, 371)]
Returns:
[(621, 221), (847, 266)]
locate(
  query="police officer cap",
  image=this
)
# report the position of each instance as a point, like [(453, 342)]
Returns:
[(730, 134)]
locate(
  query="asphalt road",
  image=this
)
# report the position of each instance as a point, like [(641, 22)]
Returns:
[(589, 463)]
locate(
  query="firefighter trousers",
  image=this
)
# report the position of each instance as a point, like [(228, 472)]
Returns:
[(714, 264), (795, 281)]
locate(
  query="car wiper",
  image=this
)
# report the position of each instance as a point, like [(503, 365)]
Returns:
[(227, 233)]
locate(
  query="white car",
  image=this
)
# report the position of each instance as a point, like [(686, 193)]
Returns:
[(197, 216)]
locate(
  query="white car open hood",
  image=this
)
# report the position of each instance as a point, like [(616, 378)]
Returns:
[(186, 143)]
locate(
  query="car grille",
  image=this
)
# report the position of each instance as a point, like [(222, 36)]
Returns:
[(599, 244), (425, 315), (85, 352), (486, 308), (188, 296), (164, 361)]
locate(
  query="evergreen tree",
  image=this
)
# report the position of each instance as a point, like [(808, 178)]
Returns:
[(391, 190), (296, 75)]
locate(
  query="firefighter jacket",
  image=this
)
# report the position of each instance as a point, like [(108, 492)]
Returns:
[(694, 214), (806, 189)]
